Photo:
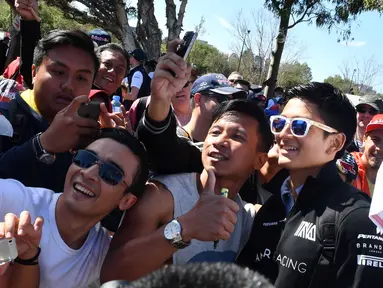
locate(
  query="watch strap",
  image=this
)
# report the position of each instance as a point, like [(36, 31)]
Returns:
[(31, 261)]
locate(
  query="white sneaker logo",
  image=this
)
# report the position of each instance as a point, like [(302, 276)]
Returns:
[(306, 230)]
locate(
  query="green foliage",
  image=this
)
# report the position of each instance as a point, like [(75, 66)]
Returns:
[(5, 16), (209, 59), (293, 74), (52, 18), (341, 83), (324, 13), (373, 5)]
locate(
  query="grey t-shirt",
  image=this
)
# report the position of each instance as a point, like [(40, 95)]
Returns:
[(183, 188)]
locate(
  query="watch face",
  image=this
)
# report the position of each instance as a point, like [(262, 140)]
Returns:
[(172, 230), (47, 159)]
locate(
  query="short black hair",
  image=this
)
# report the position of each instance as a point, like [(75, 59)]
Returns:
[(197, 275), (279, 90), (250, 109), (113, 47), (59, 38), (126, 138), (334, 107)]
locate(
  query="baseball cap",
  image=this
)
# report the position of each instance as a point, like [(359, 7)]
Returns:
[(347, 166), (104, 96), (100, 36), (375, 124), (373, 101), (213, 82), (138, 54)]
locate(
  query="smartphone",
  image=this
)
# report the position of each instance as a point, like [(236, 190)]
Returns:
[(8, 250), (89, 110), (183, 50)]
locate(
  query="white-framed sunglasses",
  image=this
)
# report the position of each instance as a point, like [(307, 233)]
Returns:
[(299, 127)]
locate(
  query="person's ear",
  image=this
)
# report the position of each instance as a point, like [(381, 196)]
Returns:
[(337, 143), (260, 160), (34, 72), (127, 201), (197, 99)]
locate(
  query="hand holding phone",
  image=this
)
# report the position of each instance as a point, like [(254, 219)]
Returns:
[(89, 110), (20, 237), (184, 49)]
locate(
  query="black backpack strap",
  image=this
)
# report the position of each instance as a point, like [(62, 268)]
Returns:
[(141, 107), (327, 228)]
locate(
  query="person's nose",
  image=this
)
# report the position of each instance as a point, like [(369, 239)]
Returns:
[(91, 173)]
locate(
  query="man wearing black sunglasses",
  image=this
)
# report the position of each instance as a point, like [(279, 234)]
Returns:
[(367, 108), (111, 172), (316, 232)]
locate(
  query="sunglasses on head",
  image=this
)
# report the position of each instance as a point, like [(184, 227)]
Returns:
[(109, 172), (220, 98), (363, 110), (299, 127)]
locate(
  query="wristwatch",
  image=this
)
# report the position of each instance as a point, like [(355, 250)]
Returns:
[(42, 155), (172, 233)]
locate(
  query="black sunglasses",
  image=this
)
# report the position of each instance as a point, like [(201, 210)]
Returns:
[(220, 98), (363, 110), (109, 172)]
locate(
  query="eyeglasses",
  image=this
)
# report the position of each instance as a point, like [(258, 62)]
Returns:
[(108, 171), (299, 127), (220, 98), (363, 110)]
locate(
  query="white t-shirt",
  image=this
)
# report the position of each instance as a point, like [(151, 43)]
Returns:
[(151, 74), (60, 266)]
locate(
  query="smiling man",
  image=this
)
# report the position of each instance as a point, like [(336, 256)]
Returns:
[(111, 172), (187, 211), (371, 158), (64, 67), (113, 65), (317, 230)]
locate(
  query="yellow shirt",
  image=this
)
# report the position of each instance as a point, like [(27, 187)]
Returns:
[(29, 97)]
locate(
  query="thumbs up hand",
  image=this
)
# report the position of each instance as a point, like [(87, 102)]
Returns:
[(212, 218)]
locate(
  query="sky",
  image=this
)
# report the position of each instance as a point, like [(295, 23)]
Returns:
[(323, 53)]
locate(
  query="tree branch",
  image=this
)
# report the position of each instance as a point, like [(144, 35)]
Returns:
[(301, 18), (181, 14)]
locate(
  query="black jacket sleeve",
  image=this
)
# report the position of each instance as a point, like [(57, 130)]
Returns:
[(359, 253), (30, 35), (168, 153)]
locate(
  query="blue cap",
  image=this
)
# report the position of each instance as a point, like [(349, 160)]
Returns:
[(216, 83), (138, 54), (100, 36), (116, 98)]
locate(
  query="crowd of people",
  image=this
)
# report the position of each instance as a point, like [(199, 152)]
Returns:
[(198, 180)]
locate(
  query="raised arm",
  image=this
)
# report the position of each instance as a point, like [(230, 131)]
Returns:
[(157, 130)]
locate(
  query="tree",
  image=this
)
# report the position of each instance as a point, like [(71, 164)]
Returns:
[(115, 15), (362, 73), (208, 59), (324, 13), (343, 84), (263, 27), (53, 17), (293, 74)]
